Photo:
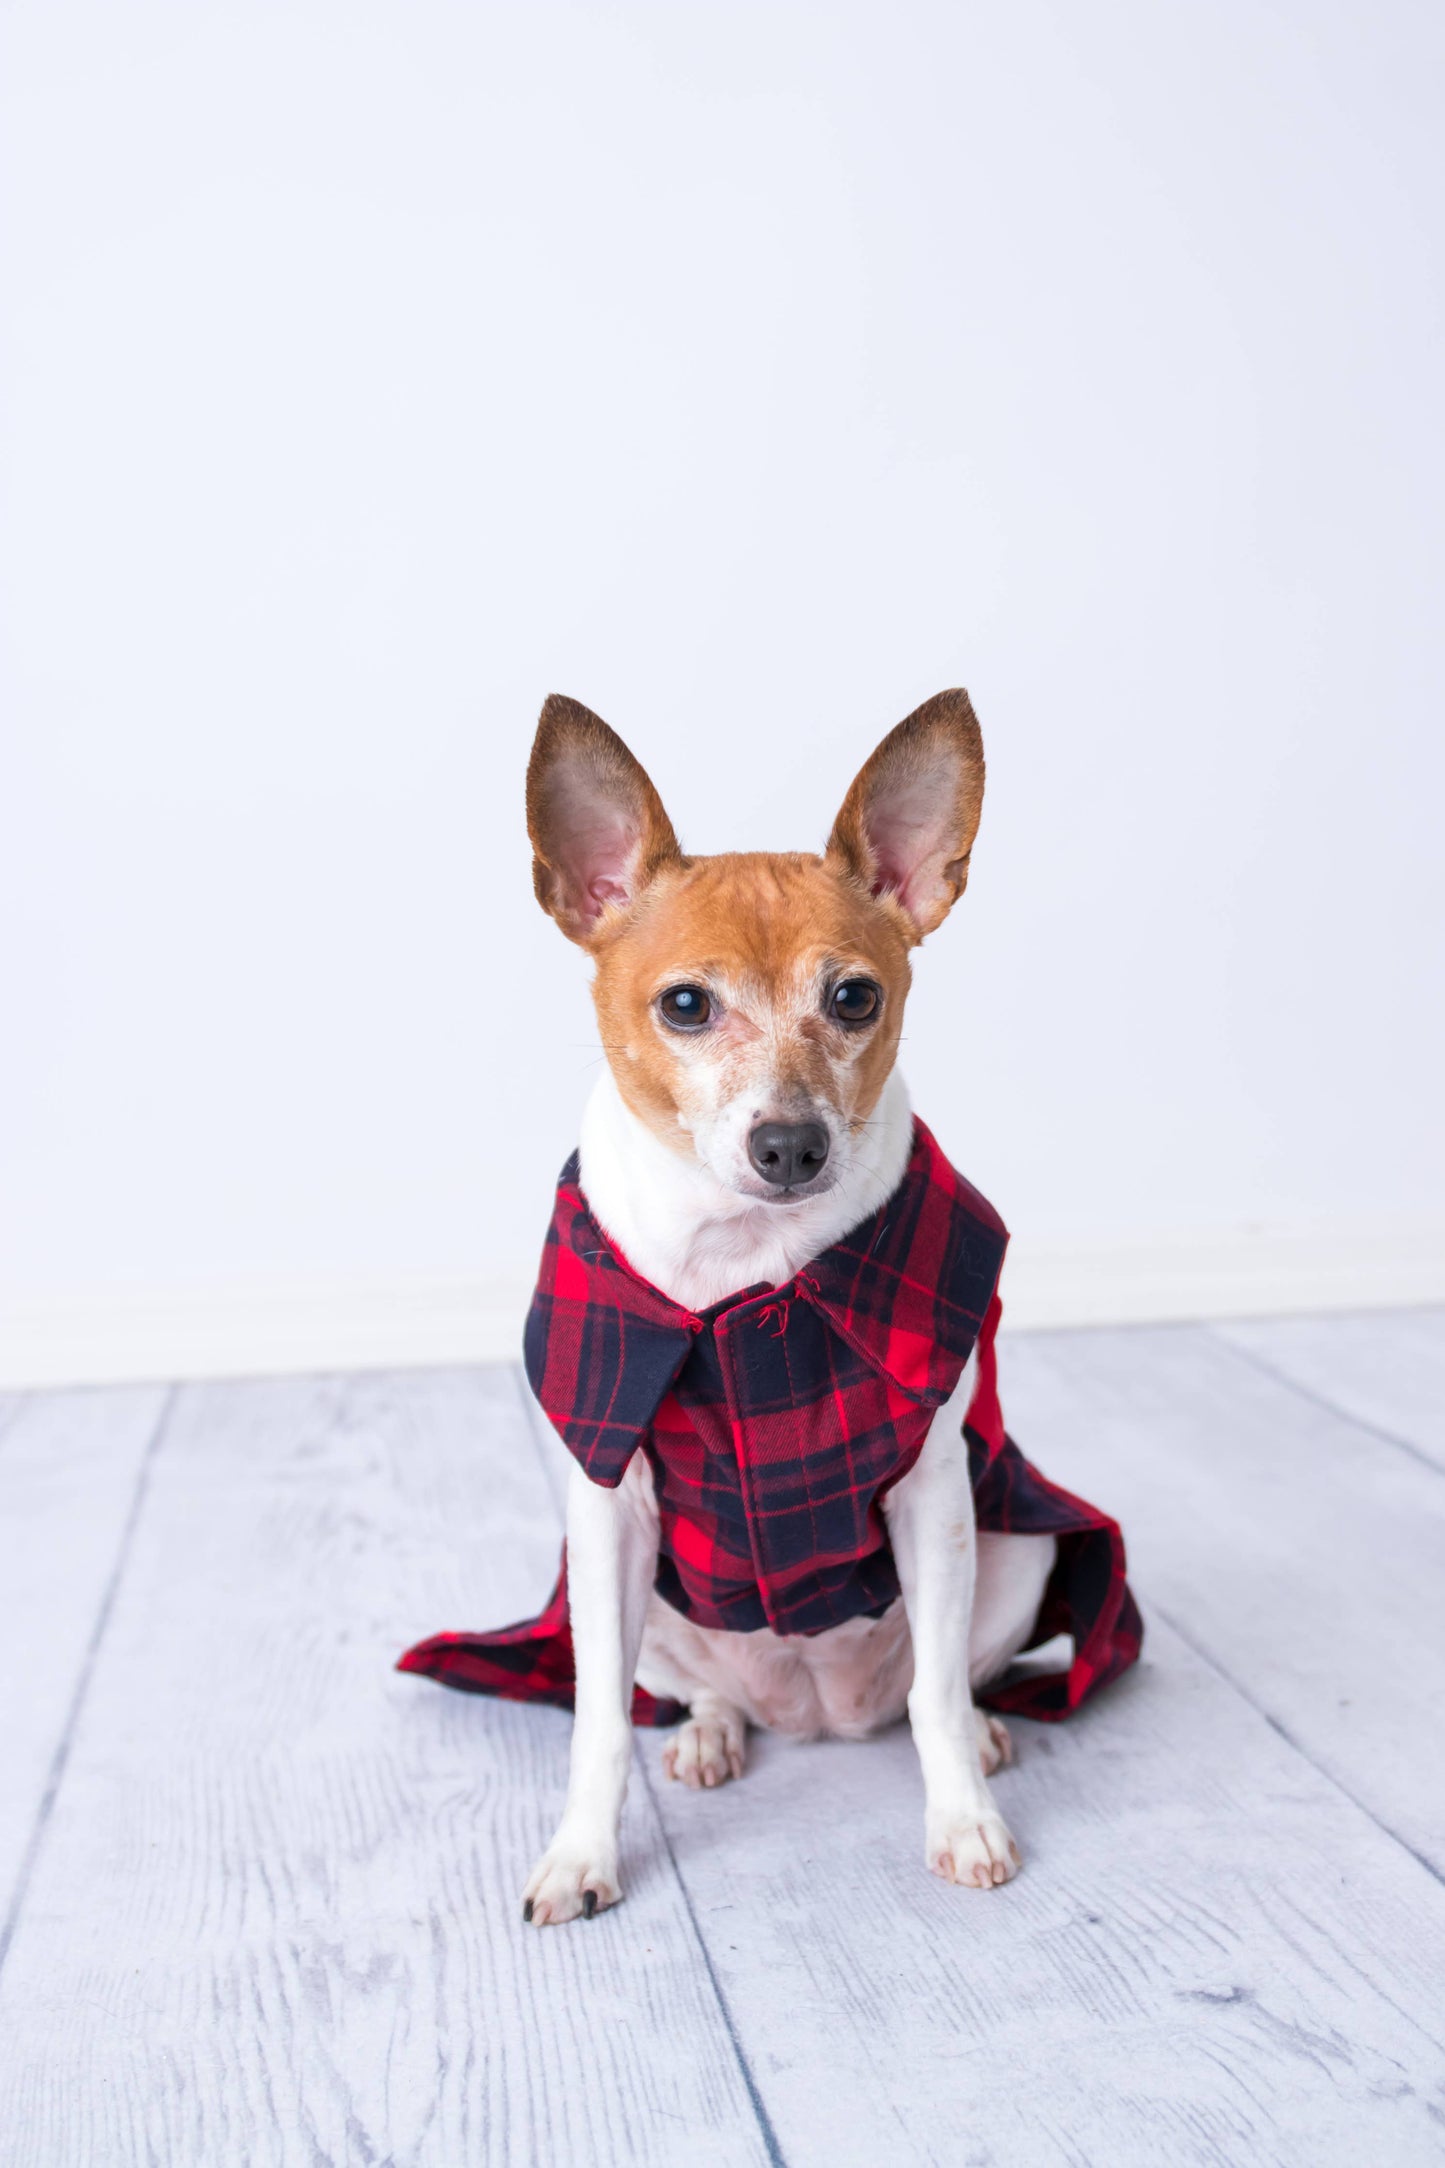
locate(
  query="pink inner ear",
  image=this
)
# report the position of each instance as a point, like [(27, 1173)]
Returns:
[(908, 826), (596, 854)]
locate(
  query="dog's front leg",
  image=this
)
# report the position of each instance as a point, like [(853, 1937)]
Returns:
[(611, 1563), (930, 1521)]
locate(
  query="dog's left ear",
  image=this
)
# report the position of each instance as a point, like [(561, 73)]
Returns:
[(908, 823)]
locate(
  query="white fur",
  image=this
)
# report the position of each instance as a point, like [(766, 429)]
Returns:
[(967, 1604), (699, 1238), (931, 1530)]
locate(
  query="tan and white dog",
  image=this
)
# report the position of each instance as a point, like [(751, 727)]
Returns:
[(749, 1117)]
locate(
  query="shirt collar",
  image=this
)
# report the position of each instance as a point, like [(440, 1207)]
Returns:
[(908, 1289)]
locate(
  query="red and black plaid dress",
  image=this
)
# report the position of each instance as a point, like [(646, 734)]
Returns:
[(774, 1423)]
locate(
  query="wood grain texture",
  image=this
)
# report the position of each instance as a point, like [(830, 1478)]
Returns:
[(1211, 1956), (1386, 1367), (70, 1467), (276, 1914), (1299, 1551), (272, 1915)]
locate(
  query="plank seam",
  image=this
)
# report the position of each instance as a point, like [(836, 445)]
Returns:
[(1320, 1400), (776, 2156), (1222, 1671), (61, 1757), (766, 2131)]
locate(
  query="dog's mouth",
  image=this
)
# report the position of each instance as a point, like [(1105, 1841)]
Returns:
[(786, 1194)]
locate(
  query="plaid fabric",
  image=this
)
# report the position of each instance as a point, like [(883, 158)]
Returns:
[(774, 1423)]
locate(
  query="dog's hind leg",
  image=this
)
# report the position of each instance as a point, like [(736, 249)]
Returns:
[(710, 1746), (679, 1662), (1012, 1574)]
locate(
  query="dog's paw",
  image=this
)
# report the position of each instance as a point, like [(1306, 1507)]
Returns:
[(707, 1750), (569, 1884), (973, 1851), (995, 1747)]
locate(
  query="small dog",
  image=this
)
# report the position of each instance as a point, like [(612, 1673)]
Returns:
[(796, 1546)]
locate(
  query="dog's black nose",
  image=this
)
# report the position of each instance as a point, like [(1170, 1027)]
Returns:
[(788, 1152)]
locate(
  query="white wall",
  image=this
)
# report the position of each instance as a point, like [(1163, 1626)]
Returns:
[(749, 372)]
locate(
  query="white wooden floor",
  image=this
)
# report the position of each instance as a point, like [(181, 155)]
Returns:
[(260, 1894)]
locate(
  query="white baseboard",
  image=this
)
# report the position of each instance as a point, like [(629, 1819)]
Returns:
[(1250, 1272), (261, 1332)]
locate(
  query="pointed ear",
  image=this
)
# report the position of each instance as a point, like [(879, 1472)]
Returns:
[(908, 823), (598, 830)]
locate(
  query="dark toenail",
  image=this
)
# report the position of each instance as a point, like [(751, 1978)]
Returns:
[(589, 1903), (527, 1909)]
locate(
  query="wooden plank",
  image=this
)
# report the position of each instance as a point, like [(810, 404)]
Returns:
[(70, 1465), (1300, 1551), (1386, 1367), (1211, 1957), (276, 1917)]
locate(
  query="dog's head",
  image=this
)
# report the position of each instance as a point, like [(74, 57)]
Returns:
[(750, 1004)]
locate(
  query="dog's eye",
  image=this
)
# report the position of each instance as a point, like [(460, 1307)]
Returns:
[(855, 1001), (686, 1008)]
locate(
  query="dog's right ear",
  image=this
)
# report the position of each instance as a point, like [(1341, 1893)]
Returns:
[(599, 833)]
